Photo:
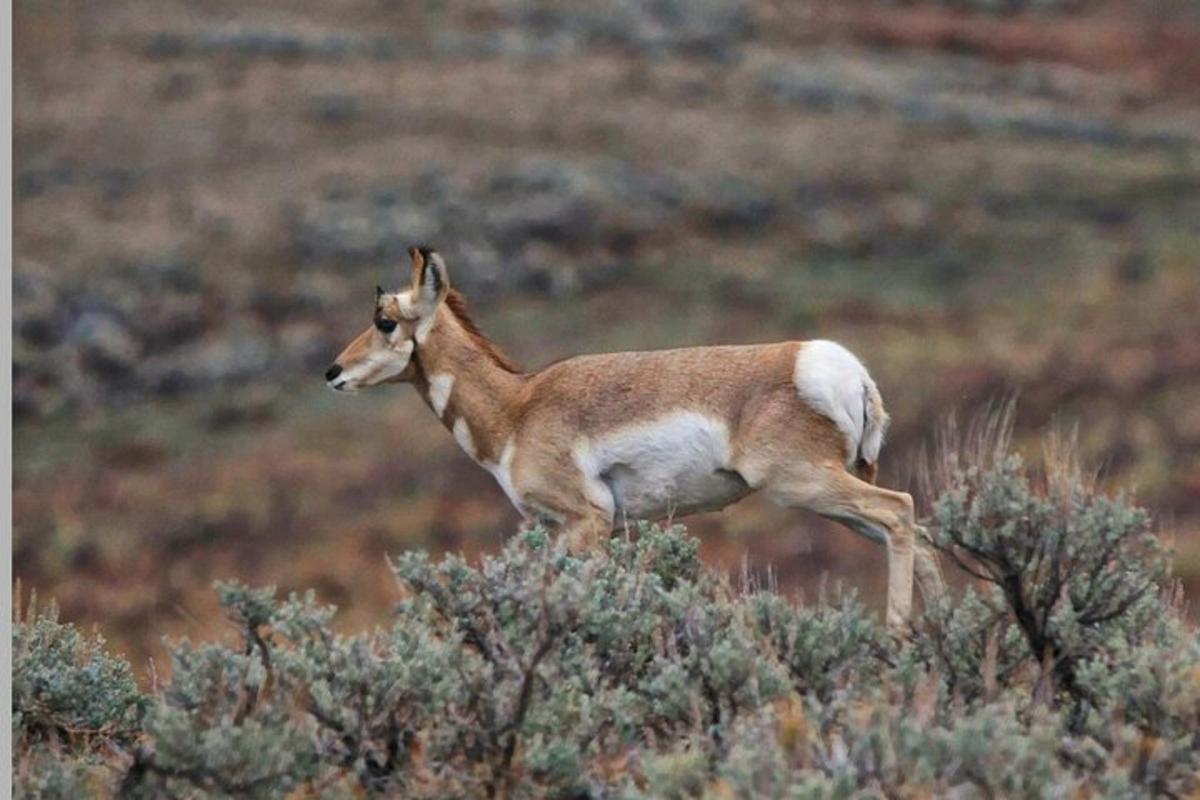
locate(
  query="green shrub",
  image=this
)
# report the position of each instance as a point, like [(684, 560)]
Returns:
[(66, 688), (1151, 682), (42, 774), (1076, 572), (636, 672), (825, 647), (571, 662), (72, 704)]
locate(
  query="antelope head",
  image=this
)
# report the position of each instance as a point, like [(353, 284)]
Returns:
[(383, 353)]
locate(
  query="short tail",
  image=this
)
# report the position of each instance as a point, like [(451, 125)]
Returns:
[(875, 423)]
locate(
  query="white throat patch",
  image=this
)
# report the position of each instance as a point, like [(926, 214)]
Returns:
[(462, 435), (502, 471), (425, 326), (439, 391)]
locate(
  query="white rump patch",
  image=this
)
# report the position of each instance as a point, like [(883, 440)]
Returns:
[(835, 383), (678, 463), (439, 391)]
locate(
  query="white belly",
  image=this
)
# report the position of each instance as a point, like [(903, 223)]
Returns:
[(677, 464)]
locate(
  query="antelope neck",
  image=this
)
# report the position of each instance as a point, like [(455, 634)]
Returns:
[(472, 395)]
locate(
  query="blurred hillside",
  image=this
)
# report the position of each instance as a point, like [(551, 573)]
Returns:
[(979, 197)]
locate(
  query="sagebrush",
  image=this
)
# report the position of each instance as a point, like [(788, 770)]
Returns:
[(1065, 669)]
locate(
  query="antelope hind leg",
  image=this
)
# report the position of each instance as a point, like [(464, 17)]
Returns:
[(879, 514), (928, 572)]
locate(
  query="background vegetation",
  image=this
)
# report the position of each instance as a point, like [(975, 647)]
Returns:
[(977, 197)]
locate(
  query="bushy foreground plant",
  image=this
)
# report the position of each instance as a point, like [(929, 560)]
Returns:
[(72, 702), (637, 672), (67, 691)]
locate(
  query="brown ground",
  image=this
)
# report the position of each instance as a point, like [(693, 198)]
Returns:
[(976, 204)]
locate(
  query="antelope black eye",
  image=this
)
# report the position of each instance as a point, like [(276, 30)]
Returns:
[(385, 325)]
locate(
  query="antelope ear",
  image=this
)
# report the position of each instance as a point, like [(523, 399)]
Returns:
[(430, 283), (418, 264)]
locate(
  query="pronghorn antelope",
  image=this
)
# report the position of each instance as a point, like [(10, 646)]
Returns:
[(594, 440)]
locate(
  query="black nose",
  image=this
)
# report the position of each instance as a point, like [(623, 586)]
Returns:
[(333, 372)]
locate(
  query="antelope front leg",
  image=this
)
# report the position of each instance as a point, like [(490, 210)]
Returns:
[(582, 530)]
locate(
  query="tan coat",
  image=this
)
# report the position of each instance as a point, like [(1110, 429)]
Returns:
[(592, 441)]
